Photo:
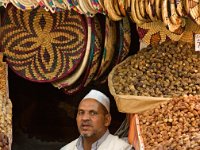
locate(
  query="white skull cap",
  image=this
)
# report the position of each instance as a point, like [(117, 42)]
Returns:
[(100, 97)]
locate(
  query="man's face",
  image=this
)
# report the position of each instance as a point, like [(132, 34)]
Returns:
[(91, 119)]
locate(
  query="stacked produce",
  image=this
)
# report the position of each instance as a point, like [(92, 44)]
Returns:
[(173, 125), (170, 69), (5, 110)]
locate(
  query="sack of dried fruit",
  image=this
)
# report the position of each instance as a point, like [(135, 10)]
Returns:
[(173, 125), (154, 75)]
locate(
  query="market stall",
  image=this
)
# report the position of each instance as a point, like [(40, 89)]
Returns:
[(73, 44)]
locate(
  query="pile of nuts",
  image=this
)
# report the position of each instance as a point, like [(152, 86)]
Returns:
[(5, 111), (174, 125), (170, 69)]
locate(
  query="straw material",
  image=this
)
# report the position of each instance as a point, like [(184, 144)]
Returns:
[(109, 47), (79, 85), (97, 51), (72, 78), (154, 33), (41, 46), (93, 61), (131, 103), (125, 25), (3, 77), (122, 49), (117, 52), (190, 30), (127, 38), (24, 4)]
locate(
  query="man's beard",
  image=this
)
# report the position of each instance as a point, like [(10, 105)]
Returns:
[(88, 135)]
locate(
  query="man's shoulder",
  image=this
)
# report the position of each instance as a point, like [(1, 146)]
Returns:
[(115, 142), (70, 146), (115, 138)]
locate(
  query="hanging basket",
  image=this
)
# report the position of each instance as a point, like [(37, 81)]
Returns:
[(41, 46)]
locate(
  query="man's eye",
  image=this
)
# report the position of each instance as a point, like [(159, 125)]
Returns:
[(80, 112), (93, 113)]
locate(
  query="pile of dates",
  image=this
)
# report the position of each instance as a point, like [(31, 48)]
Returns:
[(168, 70), (174, 125)]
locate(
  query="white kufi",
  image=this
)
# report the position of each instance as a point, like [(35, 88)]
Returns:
[(100, 97)]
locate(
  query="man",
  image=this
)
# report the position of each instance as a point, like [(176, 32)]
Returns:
[(93, 119)]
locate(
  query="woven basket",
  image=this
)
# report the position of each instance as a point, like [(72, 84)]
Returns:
[(41, 46), (122, 48), (131, 103), (191, 29), (72, 78), (126, 39), (155, 33), (93, 62), (109, 47)]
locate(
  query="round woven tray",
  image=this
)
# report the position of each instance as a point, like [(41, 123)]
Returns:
[(72, 78), (154, 33), (109, 47), (93, 62), (41, 46)]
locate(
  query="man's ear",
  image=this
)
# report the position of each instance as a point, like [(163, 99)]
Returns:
[(107, 119)]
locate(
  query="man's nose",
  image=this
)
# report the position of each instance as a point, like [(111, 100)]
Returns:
[(86, 116)]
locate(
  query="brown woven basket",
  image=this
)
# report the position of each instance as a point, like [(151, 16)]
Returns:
[(41, 46)]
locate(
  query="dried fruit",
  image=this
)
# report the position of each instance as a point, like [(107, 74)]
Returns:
[(172, 125), (170, 69)]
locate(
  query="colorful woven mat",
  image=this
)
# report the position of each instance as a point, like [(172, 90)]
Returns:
[(98, 46), (122, 48), (109, 46), (41, 46), (72, 78), (124, 39), (154, 33), (93, 62), (77, 86), (24, 4)]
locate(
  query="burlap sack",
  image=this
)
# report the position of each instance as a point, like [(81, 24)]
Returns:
[(131, 103)]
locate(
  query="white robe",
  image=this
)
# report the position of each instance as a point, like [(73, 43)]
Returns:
[(111, 143)]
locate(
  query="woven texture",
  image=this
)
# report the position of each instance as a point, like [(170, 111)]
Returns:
[(72, 78), (93, 62), (109, 47), (191, 29), (154, 33), (41, 46), (126, 38), (97, 51), (122, 47)]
